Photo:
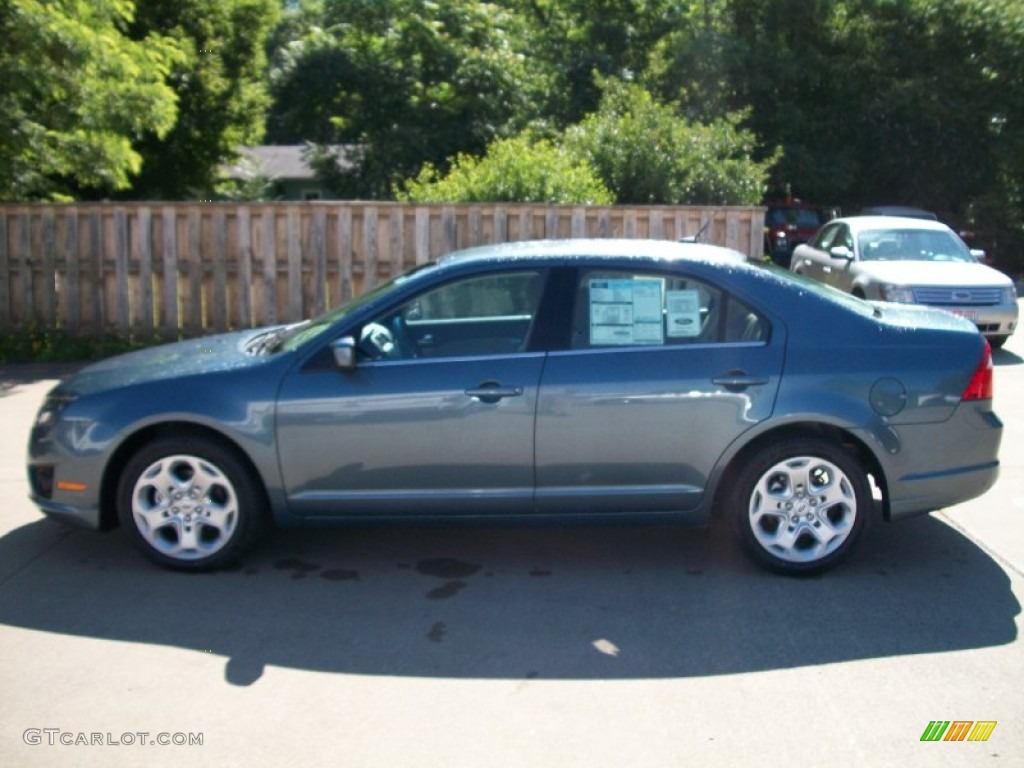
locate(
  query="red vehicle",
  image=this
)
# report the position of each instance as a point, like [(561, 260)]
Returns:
[(787, 224)]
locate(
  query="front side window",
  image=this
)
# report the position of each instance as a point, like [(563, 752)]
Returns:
[(825, 238), (616, 308), (485, 315), (843, 237)]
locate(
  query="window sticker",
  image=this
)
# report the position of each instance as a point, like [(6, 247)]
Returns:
[(626, 312), (683, 313)]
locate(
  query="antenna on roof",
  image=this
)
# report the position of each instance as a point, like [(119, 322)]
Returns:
[(696, 238)]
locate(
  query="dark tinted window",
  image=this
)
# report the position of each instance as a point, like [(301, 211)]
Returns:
[(823, 240), (488, 315)]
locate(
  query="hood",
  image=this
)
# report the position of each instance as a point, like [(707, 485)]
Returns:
[(944, 273), (185, 358)]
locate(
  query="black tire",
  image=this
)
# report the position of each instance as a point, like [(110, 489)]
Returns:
[(189, 503), (996, 342), (800, 505)]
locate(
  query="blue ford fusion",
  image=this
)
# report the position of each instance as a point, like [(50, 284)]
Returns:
[(584, 379)]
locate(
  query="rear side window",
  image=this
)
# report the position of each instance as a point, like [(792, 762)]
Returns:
[(614, 309)]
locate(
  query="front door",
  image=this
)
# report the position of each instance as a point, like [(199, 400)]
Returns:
[(437, 417)]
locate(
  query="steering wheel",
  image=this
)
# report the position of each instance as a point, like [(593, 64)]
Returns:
[(378, 343)]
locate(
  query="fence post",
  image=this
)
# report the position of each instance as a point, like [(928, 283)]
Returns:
[(169, 258), (144, 249)]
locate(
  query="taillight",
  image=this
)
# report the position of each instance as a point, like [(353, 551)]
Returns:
[(980, 386)]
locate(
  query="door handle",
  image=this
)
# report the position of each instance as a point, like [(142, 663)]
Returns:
[(735, 381), (493, 391)]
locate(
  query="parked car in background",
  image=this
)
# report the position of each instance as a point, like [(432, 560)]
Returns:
[(610, 380), (911, 261), (967, 235), (787, 225), (905, 211)]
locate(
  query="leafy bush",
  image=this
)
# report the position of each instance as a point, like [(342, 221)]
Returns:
[(35, 343), (633, 150), (647, 154), (521, 169)]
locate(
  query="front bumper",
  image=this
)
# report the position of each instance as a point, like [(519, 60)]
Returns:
[(76, 516), (992, 320), (64, 484)]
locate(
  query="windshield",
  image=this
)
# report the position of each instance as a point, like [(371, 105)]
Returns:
[(912, 245), (313, 328), (802, 218)]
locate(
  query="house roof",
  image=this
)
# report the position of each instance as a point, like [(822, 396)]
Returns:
[(283, 161)]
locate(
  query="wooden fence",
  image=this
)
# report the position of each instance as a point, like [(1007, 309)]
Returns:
[(187, 269)]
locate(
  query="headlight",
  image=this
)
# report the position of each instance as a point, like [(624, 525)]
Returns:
[(1008, 295), (898, 293), (51, 407)]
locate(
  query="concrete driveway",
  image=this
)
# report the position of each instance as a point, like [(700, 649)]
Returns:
[(511, 647)]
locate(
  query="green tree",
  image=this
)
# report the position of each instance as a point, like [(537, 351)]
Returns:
[(408, 81), (647, 154), (991, 37), (221, 88), (574, 40), (521, 169), (879, 101), (77, 92), (690, 63), (787, 63)]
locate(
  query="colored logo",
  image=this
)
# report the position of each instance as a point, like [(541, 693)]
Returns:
[(958, 730)]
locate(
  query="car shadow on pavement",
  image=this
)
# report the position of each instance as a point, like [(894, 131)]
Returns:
[(1004, 356), (515, 603)]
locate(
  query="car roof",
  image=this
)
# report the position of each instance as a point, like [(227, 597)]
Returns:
[(609, 249), (861, 223), (899, 210)]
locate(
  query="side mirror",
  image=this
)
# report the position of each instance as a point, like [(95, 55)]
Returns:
[(344, 351), (841, 252), (978, 254)]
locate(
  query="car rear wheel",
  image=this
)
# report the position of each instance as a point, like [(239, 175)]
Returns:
[(801, 505), (189, 503)]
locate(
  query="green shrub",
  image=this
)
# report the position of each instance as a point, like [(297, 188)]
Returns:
[(521, 169), (42, 344), (647, 154)]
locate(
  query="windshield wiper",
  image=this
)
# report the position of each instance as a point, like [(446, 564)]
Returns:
[(271, 339)]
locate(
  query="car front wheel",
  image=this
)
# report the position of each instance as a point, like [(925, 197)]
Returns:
[(189, 503), (801, 505)]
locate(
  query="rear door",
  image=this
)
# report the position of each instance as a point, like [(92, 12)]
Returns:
[(662, 374)]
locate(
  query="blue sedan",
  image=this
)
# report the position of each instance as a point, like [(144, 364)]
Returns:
[(550, 380)]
